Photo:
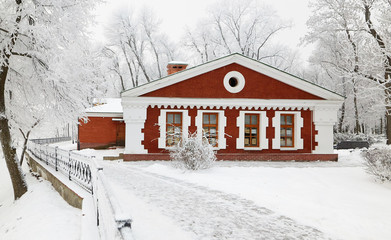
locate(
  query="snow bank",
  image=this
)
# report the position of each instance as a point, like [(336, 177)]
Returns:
[(39, 214)]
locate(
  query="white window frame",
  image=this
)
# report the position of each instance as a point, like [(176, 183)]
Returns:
[(222, 123), (263, 124), (298, 124), (162, 126)]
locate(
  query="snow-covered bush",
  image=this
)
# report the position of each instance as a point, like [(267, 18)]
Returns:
[(378, 163), (193, 153), (370, 138)]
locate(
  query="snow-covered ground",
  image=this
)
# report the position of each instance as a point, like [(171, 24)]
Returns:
[(254, 200), (39, 214), (232, 200)]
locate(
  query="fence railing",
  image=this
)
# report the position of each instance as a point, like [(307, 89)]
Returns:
[(50, 140), (73, 165), (112, 221)]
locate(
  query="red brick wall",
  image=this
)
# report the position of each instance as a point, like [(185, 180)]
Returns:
[(151, 131), (210, 85), (98, 132)]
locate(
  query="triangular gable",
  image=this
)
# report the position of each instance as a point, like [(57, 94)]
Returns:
[(205, 81)]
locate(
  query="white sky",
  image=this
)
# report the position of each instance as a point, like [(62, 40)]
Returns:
[(175, 15)]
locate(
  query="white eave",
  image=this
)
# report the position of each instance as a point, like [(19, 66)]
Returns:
[(241, 60)]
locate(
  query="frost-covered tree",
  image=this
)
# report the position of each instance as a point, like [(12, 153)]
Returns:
[(246, 27), (140, 47), (46, 68), (355, 38)]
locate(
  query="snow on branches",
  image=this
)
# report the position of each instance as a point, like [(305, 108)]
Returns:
[(378, 163), (193, 153)]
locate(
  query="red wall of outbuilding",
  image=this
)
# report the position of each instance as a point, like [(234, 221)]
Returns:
[(151, 131), (98, 132)]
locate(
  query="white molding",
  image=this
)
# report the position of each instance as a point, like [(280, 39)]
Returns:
[(222, 123), (162, 126), (104, 114), (298, 124), (263, 124), (230, 103), (239, 77), (241, 60)]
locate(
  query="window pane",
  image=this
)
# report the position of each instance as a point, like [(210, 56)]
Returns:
[(288, 120), (170, 140), (213, 130), (247, 119), (206, 119), (177, 130), (282, 132), (282, 120), (212, 119), (289, 132), (170, 129), (178, 118), (170, 118), (254, 119), (282, 142), (247, 130), (254, 131), (289, 142), (247, 141), (254, 141)]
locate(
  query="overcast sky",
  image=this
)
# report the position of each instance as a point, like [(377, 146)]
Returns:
[(177, 14)]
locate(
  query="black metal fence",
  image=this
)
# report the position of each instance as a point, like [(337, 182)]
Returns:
[(50, 140), (73, 165), (112, 221)]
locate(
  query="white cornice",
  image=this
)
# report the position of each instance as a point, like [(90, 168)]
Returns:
[(241, 60), (104, 114), (230, 103)]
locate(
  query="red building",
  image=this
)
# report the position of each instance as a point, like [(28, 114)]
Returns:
[(104, 126), (248, 111)]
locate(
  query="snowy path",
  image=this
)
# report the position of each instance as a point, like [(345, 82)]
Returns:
[(207, 213)]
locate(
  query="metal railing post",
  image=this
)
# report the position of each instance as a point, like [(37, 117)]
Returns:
[(69, 165), (55, 157)]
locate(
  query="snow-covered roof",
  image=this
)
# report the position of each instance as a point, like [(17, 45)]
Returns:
[(177, 63), (105, 106)]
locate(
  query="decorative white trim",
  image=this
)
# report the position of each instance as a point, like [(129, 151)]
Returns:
[(162, 126), (104, 114), (298, 121), (230, 103), (239, 77), (243, 61), (263, 124), (222, 123)]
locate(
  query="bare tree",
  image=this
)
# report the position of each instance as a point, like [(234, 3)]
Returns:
[(239, 26)]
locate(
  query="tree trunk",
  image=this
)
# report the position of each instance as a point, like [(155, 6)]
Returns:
[(341, 119), (17, 179), (357, 124)]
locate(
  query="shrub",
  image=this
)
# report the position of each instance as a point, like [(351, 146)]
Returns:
[(370, 138), (378, 163), (193, 153)]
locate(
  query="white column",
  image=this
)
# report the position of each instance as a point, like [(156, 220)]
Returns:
[(324, 119), (134, 116)]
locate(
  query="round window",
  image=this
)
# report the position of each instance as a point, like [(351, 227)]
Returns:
[(234, 82)]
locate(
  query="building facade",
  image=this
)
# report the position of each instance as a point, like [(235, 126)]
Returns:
[(246, 109)]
